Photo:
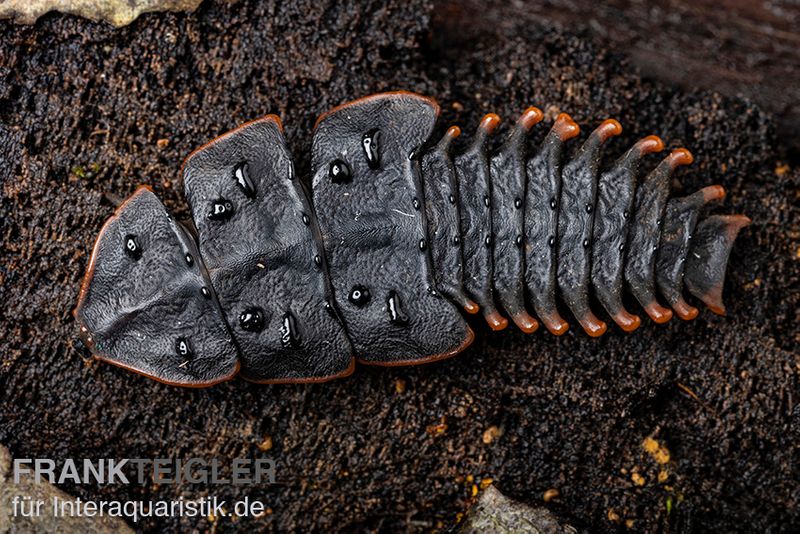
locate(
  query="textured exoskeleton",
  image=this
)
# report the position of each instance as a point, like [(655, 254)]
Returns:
[(394, 238)]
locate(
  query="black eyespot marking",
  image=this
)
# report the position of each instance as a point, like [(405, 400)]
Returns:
[(519, 241), (290, 337), (252, 320), (206, 293), (396, 313), (132, 247), (243, 180), (221, 210), (306, 220), (452, 199), (422, 244), (415, 203), (339, 172), (370, 142), (359, 296), (183, 348), (189, 260), (518, 203)]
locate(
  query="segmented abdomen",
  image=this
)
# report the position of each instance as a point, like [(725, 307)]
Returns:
[(581, 229), (395, 237)]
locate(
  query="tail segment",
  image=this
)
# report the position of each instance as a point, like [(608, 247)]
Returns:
[(708, 256), (583, 229)]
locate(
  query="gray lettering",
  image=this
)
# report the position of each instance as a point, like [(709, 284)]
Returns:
[(69, 471), (90, 471), (39, 470), (115, 471), (240, 470), (161, 470), (195, 477), (19, 469), (265, 466)]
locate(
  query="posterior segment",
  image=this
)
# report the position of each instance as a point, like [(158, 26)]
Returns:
[(444, 233), (541, 222), (711, 245), (535, 226), (680, 221), (475, 211), (508, 177), (614, 206), (575, 223)]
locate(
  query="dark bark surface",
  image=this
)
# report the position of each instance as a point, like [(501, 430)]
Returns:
[(748, 48), (88, 112)]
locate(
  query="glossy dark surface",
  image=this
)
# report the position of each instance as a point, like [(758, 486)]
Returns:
[(541, 226), (475, 212), (401, 232), (708, 256), (374, 236), (508, 177), (575, 225), (146, 313), (650, 203), (263, 258), (615, 196), (444, 234), (680, 220)]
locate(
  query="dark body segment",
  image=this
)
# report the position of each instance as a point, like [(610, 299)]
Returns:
[(508, 220), (710, 247), (679, 223), (145, 307), (615, 193), (374, 237), (397, 235), (265, 263), (575, 224), (444, 232), (643, 236), (475, 211), (543, 173)]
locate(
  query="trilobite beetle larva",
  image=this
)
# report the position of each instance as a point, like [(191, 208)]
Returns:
[(396, 234)]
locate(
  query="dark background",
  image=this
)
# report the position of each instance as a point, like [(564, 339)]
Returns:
[(85, 110)]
